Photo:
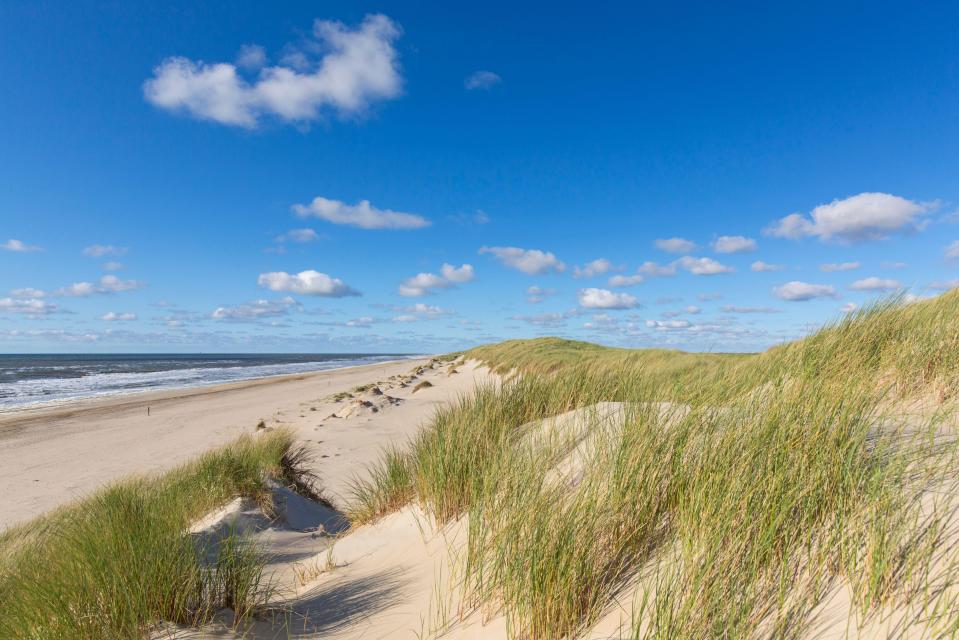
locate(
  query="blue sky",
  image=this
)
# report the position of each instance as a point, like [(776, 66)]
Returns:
[(419, 177)]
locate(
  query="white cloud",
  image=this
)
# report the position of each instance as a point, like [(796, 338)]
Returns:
[(482, 80), (665, 325), (255, 310), (362, 215), (362, 322), (358, 67), (728, 308), (251, 56), (952, 251), (28, 292), (529, 261), (733, 244), (405, 319), (18, 246), (423, 284), (691, 310), (100, 250), (27, 306), (536, 294), (894, 265), (703, 266), (762, 267), (849, 307), (113, 284), (424, 309), (655, 270), (76, 290), (308, 283), (597, 267), (796, 291), (838, 266), (107, 284), (301, 236), (593, 298), (459, 275), (112, 266), (625, 281), (675, 245), (112, 316), (867, 216), (875, 284)]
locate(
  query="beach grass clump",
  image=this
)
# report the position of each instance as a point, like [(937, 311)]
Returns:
[(734, 496), (121, 561)]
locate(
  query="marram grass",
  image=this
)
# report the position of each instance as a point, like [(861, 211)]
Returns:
[(734, 498), (115, 564)]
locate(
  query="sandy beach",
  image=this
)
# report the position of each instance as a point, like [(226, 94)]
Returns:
[(51, 456)]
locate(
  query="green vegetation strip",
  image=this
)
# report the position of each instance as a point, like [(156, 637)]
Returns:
[(119, 562), (733, 499)]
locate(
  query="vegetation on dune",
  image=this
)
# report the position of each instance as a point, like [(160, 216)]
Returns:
[(120, 561), (736, 496)]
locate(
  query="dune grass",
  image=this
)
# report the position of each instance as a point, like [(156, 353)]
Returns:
[(736, 496), (121, 561)]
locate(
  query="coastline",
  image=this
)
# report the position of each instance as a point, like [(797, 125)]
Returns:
[(17, 416), (52, 455)]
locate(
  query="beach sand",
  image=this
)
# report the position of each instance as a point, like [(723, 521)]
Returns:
[(51, 456)]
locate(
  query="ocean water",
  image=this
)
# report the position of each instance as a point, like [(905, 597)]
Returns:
[(34, 380)]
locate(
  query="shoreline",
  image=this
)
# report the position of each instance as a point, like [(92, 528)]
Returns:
[(51, 456), (17, 416)]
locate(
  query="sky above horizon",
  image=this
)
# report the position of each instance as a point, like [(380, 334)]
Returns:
[(416, 177)]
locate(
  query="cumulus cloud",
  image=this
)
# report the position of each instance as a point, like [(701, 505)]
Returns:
[(362, 215), (733, 244), (107, 284), (358, 67), (839, 266), (251, 56), (703, 266), (849, 307), (625, 281), (536, 294), (112, 266), (875, 284), (307, 283), (952, 251), (665, 325), (18, 246), (675, 245), (867, 216), (529, 261), (100, 250), (27, 306), (654, 270), (482, 80), (459, 274), (761, 267), (255, 310), (597, 267), (797, 291), (423, 284), (112, 316), (593, 298)]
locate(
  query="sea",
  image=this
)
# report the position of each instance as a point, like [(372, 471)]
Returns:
[(28, 381)]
